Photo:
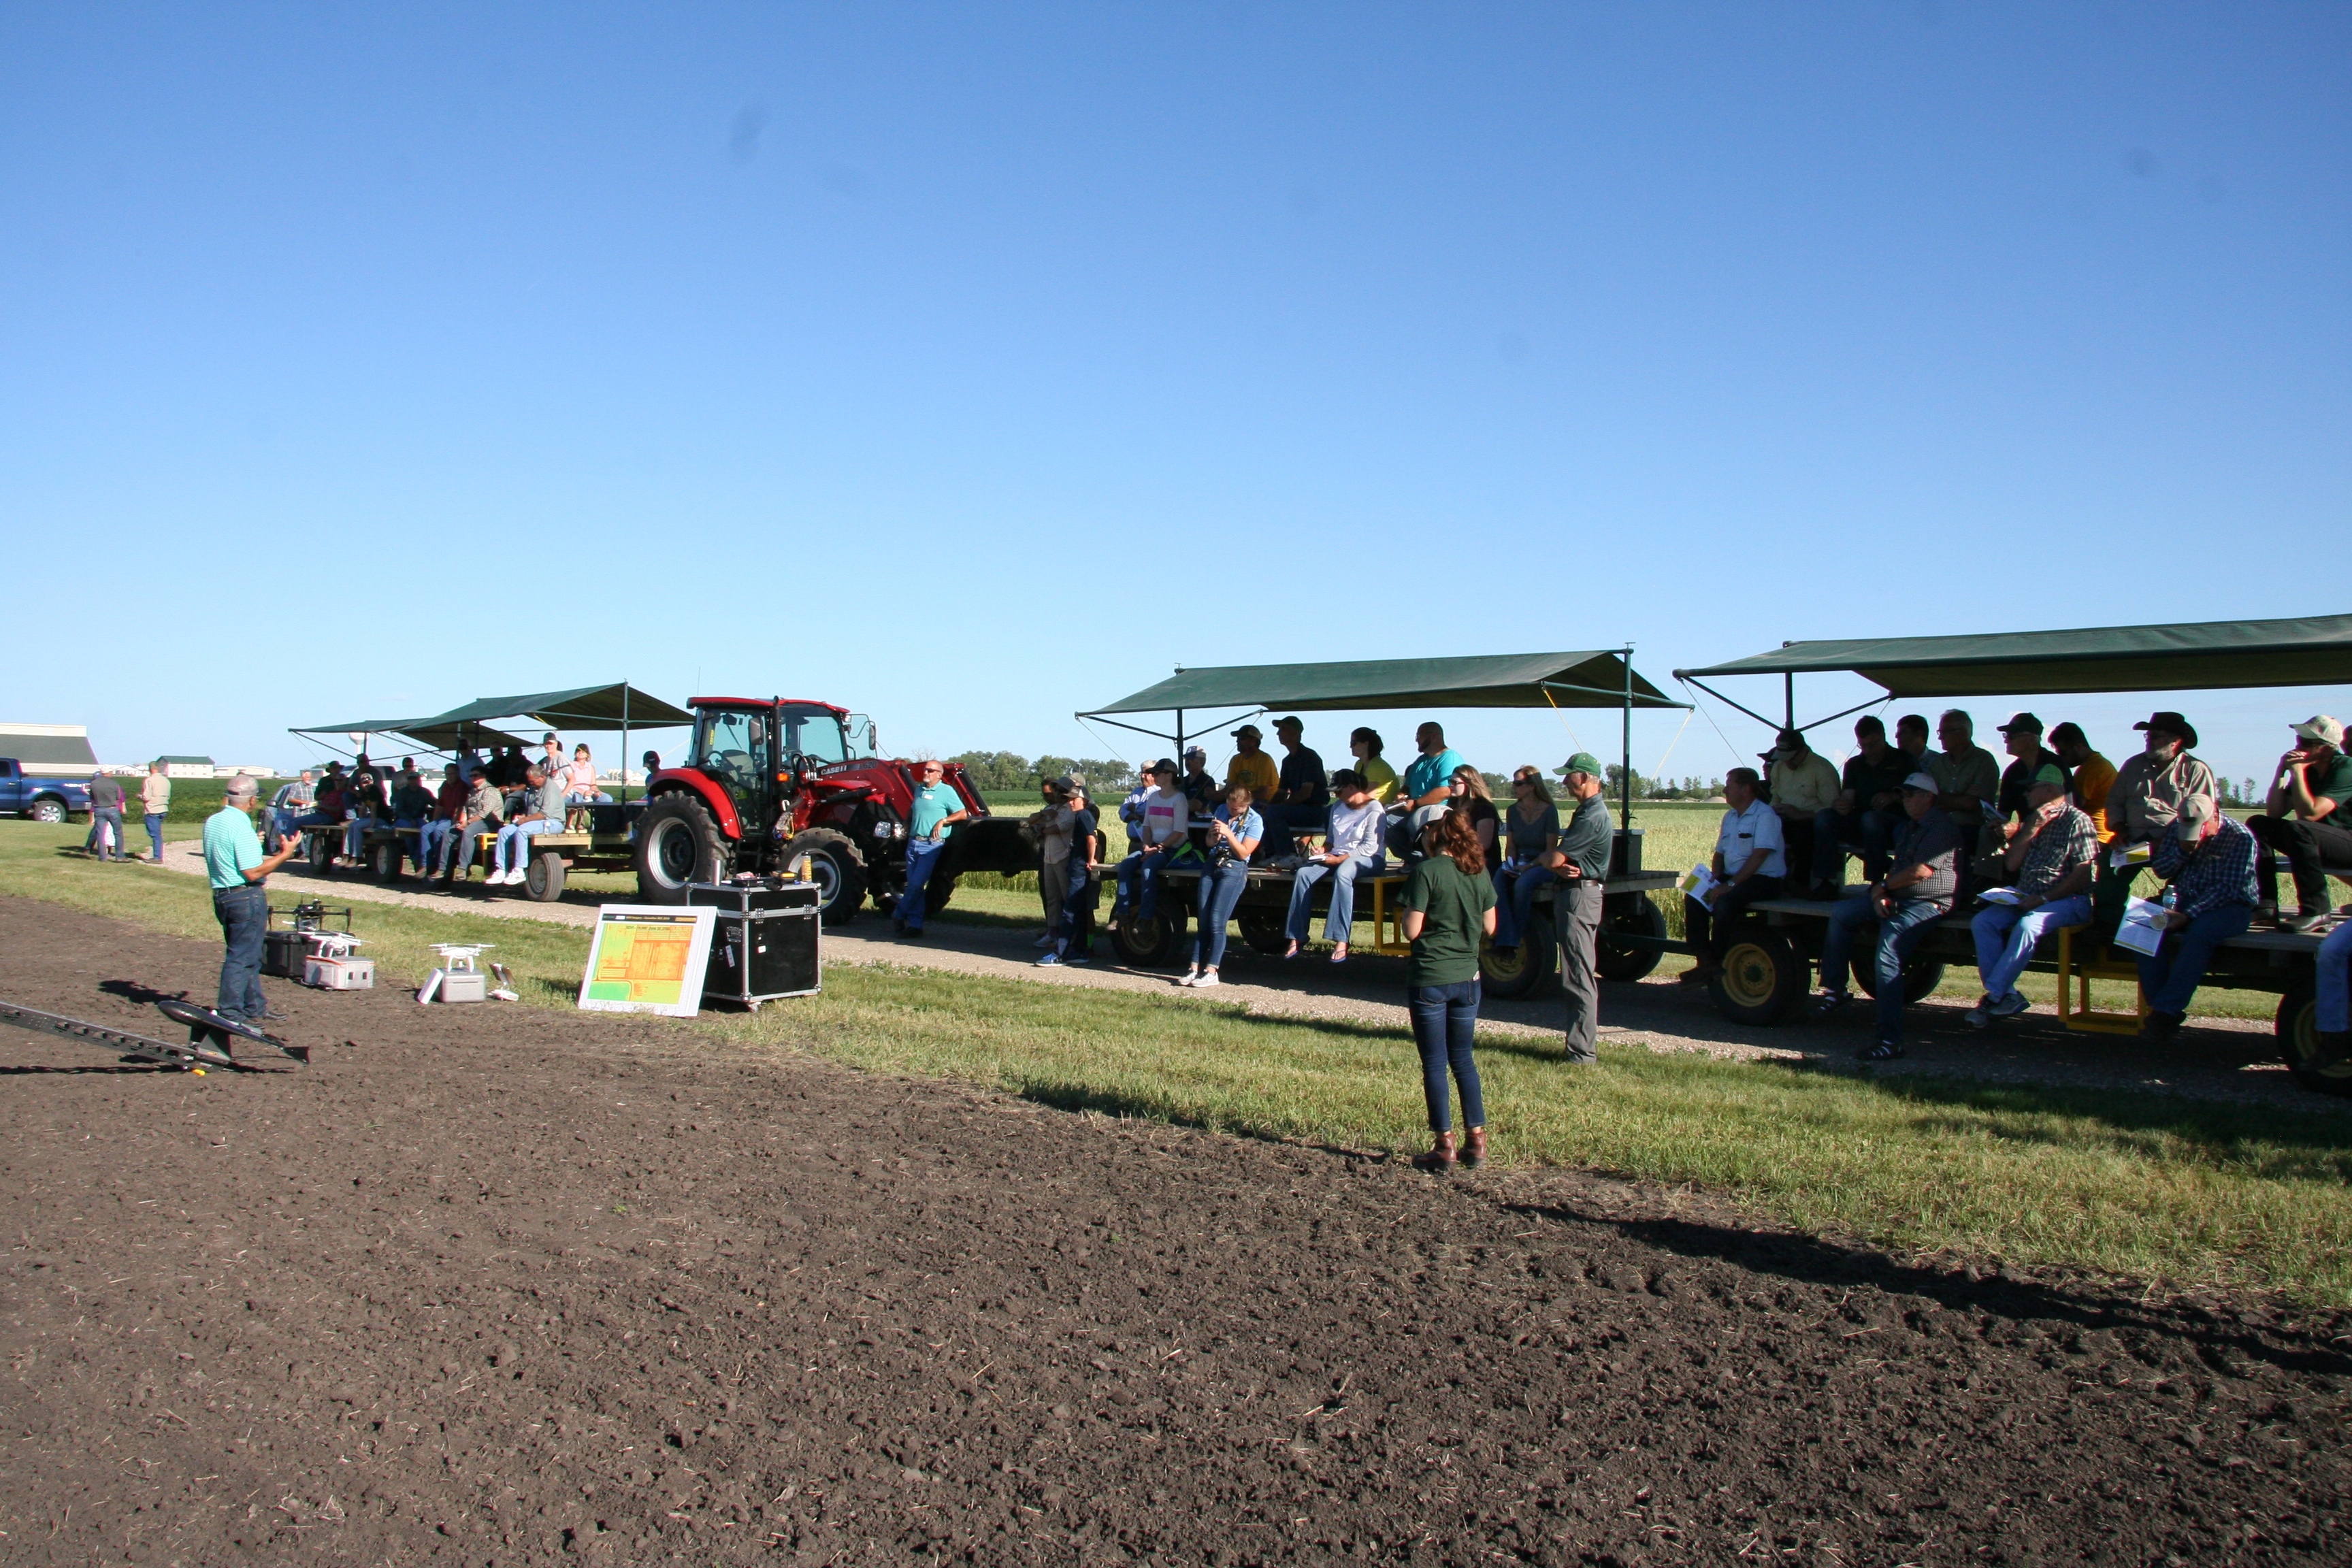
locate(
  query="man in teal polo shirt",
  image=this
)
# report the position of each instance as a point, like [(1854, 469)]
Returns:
[(1426, 779), (937, 808), (234, 861)]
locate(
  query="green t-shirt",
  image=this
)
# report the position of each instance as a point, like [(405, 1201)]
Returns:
[(231, 848), (1453, 909), (2334, 783)]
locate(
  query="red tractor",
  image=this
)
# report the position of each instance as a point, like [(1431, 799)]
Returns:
[(767, 785)]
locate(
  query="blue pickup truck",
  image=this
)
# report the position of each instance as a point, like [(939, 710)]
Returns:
[(43, 800)]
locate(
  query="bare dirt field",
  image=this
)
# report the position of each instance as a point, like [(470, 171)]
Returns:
[(497, 1286)]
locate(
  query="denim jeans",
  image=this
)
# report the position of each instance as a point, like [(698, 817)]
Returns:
[(2335, 982), (1076, 926), (415, 831), (2005, 939), (155, 834), (1445, 1027), (429, 841), (1872, 833), (2171, 975), (355, 835), (1514, 900), (1220, 891), (103, 820), (1138, 880), (244, 915), (1710, 926), (457, 848), (514, 843), (1901, 931), (923, 858), (1343, 918)]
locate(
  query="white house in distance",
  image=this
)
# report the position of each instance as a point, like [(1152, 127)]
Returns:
[(49, 751)]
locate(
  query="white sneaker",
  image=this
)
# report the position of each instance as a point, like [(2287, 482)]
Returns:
[(1205, 980), (1192, 978)]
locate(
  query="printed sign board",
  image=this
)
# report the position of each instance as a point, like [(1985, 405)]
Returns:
[(648, 958)]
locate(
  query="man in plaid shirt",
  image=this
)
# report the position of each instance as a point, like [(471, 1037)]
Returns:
[(2210, 861), (2052, 848)]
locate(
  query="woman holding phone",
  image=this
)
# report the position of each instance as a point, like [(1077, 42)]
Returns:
[(1234, 834)]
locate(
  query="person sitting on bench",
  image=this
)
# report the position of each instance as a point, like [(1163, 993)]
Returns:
[(1164, 831), (580, 787), (542, 812), (1903, 907), (2052, 850), (1868, 809), (433, 839), (2210, 861), (1749, 864), (484, 801), (411, 805), (2333, 970), (1532, 830), (1351, 848), (1302, 794), (2305, 820), (1800, 784)]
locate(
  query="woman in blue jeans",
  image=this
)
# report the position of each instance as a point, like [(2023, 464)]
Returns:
[(1448, 908), (1532, 827), (1234, 834)]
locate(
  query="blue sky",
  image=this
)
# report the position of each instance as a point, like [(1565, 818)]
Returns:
[(970, 366)]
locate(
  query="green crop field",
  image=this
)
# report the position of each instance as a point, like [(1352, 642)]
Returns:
[(2146, 1186)]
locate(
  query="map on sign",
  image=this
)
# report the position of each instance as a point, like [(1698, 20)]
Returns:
[(647, 958)]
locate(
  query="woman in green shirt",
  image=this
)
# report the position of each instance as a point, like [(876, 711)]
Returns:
[(1448, 908)]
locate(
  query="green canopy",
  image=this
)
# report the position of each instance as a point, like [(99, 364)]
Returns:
[(430, 732), (2313, 650), (1594, 680), (618, 706)]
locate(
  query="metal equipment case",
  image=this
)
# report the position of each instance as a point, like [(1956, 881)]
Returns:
[(767, 943)]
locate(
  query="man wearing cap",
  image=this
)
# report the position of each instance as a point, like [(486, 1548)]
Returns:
[(480, 814), (2091, 775), (1161, 835), (236, 867), (1429, 778), (1918, 891), (2210, 861), (2305, 820), (1581, 863), (1302, 793), (2021, 739), (446, 805), (1868, 811), (1804, 786), (2143, 803), (1200, 787), (1749, 863), (1051, 823), (2051, 852), (1251, 765)]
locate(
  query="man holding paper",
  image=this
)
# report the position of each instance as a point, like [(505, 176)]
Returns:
[(1749, 862), (2052, 851), (1904, 906), (2143, 802), (2210, 861)]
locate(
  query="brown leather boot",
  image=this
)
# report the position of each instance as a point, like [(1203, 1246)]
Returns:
[(1474, 1149), (1441, 1157)]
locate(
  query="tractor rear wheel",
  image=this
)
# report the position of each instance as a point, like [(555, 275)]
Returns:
[(836, 868), (678, 844)]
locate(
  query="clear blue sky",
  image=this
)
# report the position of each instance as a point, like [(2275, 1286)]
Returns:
[(973, 364)]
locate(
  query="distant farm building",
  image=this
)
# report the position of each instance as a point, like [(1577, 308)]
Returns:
[(49, 751)]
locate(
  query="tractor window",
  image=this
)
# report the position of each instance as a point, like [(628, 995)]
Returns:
[(815, 734), (731, 745), (859, 730)]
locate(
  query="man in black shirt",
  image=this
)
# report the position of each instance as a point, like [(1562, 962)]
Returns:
[(2022, 737), (1305, 794), (1868, 809), (1199, 787), (1900, 909)]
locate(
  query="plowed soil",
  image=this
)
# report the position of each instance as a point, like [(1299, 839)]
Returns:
[(490, 1285)]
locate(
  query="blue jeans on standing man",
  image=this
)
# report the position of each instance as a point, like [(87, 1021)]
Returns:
[(2170, 974), (1444, 1025), (103, 819), (2005, 939), (1902, 930), (922, 857), (1220, 890), (1343, 918), (244, 915), (155, 834)]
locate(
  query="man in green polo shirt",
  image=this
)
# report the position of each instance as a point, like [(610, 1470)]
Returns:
[(234, 861)]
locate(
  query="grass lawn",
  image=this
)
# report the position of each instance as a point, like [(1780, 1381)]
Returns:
[(2141, 1185)]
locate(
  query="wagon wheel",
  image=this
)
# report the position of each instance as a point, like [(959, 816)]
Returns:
[(1628, 914), (1262, 929), (1521, 971), (1763, 977), (2297, 1027)]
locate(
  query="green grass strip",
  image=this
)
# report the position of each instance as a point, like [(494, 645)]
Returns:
[(2141, 1185)]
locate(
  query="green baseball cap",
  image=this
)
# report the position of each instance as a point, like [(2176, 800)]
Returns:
[(2049, 773), (1584, 762)]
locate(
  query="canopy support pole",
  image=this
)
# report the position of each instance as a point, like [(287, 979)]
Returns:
[(1180, 741), (1625, 783), (1789, 700), (625, 745)]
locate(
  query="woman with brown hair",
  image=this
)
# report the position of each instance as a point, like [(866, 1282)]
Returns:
[(1475, 800), (1448, 907)]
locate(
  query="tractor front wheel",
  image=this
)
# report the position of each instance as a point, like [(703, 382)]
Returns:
[(677, 845), (836, 868)]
